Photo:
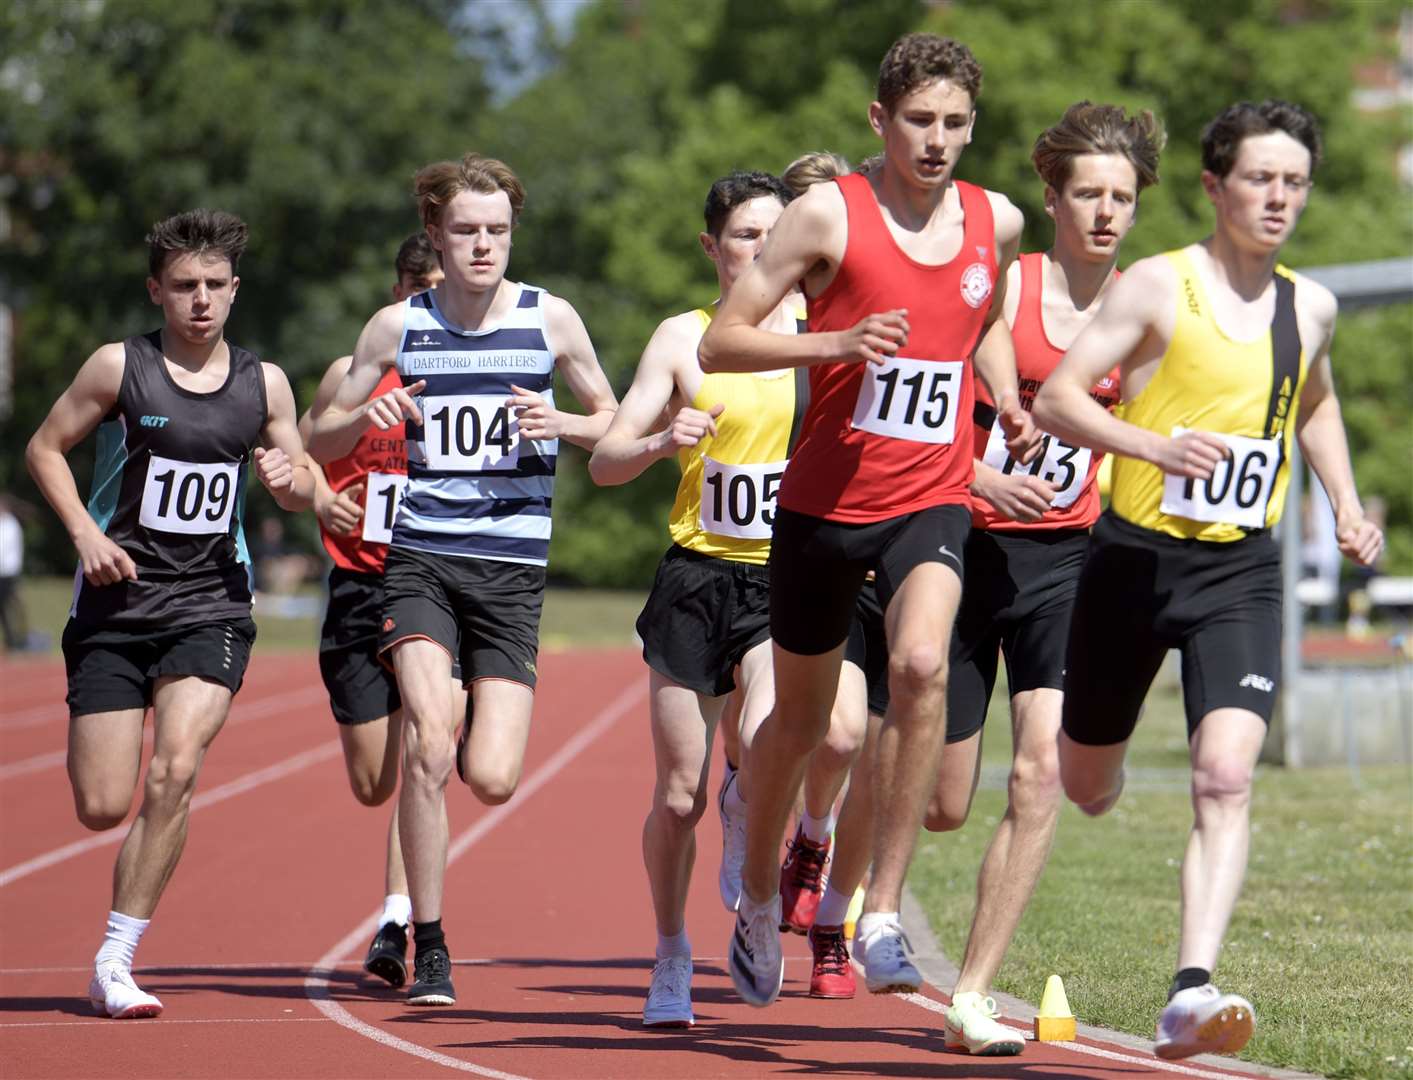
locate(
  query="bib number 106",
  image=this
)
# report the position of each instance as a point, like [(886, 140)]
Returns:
[(1238, 490)]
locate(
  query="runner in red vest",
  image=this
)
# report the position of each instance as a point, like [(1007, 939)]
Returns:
[(903, 270), (355, 499), (1030, 532)]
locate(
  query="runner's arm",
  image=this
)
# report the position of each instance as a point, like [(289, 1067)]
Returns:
[(279, 460), (575, 359), (338, 512), (336, 427), (78, 411), (811, 231)]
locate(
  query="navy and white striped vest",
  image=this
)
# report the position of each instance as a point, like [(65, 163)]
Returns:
[(475, 488)]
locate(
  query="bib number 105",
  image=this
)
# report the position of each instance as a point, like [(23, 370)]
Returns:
[(193, 497), (739, 500), (910, 399), (1238, 490), (471, 433)]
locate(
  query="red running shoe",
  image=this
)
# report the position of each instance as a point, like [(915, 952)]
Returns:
[(802, 882), (832, 976)]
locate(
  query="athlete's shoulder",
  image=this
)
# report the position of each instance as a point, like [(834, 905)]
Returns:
[(1007, 215), (821, 206), (1313, 298), (676, 339)]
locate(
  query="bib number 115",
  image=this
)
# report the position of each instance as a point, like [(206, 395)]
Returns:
[(910, 399)]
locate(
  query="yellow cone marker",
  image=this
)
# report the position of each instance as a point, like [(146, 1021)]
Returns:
[(1055, 1022), (855, 910)]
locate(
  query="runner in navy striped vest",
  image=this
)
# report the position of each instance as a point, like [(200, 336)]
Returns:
[(466, 564), (161, 612)]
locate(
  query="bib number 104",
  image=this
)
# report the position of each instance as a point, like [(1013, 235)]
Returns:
[(471, 433), (910, 399), (1238, 490)]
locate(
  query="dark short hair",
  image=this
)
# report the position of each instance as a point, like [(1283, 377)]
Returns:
[(731, 191), (1222, 138), (915, 60), (416, 257), (196, 232)]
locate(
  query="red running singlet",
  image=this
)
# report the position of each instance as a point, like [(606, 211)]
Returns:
[(380, 460), (1071, 469), (881, 442)]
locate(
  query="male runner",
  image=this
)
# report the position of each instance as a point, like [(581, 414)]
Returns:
[(161, 611), (465, 569), (705, 627), (901, 270), (1222, 354), (355, 500), (1030, 531)]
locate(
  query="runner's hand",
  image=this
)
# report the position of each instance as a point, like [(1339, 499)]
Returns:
[(103, 562), (874, 339), (1019, 496), (1023, 438), (1359, 538), (536, 417), (688, 427), (1193, 453), (390, 409), (274, 468), (341, 512)]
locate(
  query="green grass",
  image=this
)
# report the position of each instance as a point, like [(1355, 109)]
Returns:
[(573, 618), (1321, 940)]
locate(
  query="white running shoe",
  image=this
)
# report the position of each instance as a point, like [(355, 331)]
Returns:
[(757, 967), (669, 1001), (733, 846), (1203, 1020), (883, 952), (112, 991), (970, 1024)]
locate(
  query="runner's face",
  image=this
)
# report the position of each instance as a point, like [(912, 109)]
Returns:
[(1261, 199), (474, 239), (195, 292), (925, 134), (412, 284), (1096, 210), (742, 237)]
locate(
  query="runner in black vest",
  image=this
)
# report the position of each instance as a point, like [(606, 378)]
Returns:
[(161, 611)]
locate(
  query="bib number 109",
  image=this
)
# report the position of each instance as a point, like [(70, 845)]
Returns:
[(194, 497), (739, 500), (1238, 490), (910, 399)]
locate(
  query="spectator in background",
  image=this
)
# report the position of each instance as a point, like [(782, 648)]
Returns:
[(12, 550)]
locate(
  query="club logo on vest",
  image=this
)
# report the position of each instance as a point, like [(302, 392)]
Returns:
[(155, 421), (976, 284)]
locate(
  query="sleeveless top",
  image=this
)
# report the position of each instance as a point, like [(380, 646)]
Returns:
[(379, 460), (1071, 469), (169, 489), (725, 505), (475, 488), (879, 442), (1246, 392)]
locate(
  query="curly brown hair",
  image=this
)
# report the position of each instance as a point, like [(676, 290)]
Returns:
[(915, 60)]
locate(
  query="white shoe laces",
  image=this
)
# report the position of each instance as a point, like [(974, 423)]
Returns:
[(671, 979)]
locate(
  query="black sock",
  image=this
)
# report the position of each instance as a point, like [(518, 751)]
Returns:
[(1188, 978), (428, 935)]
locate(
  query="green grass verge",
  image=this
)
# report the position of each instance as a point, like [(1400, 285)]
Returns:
[(1322, 938), (573, 618)]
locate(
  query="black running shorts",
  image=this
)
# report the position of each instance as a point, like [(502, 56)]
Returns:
[(1142, 593), (818, 566), (704, 613), (1017, 601), (110, 670), (483, 612), (867, 647), (360, 688)]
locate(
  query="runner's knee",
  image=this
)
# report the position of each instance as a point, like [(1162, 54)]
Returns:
[(681, 806), (372, 788), (944, 814), (920, 670), (492, 785), (1035, 783), (101, 811), (1221, 784)]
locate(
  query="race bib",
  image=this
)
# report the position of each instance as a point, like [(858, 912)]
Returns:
[(194, 497), (470, 433), (910, 399), (1237, 491), (382, 496), (1057, 463), (739, 500)]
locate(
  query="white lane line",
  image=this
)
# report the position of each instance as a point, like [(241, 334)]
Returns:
[(239, 714), (238, 786), (98, 1023), (196, 968), (1092, 1051), (316, 986)]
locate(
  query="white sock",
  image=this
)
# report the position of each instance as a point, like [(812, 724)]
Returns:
[(817, 829), (120, 942), (867, 924), (674, 945), (397, 907), (734, 803), (746, 907), (833, 907)]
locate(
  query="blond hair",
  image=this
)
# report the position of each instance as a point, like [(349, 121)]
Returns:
[(1087, 128), (437, 184), (813, 168)]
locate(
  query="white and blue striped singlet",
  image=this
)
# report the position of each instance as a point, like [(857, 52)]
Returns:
[(475, 488)]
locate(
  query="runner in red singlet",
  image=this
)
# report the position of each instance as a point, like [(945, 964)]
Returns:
[(903, 272), (1028, 542)]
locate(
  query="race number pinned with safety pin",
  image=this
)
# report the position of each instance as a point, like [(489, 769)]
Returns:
[(193, 497), (910, 399), (739, 500), (1238, 490), (383, 495), (470, 433)]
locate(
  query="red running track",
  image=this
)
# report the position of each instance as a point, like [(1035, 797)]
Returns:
[(255, 948)]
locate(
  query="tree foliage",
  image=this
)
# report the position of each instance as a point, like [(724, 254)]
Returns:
[(309, 116)]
